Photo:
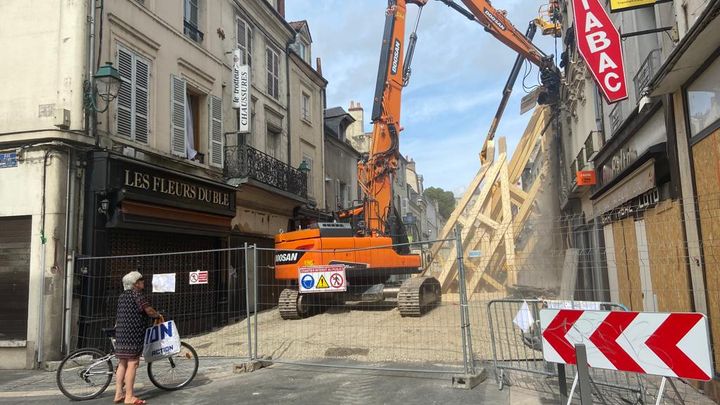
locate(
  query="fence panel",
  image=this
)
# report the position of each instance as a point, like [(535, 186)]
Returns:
[(360, 327), (209, 314)]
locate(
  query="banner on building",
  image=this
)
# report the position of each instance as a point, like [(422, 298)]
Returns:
[(625, 5), (600, 46), (241, 92)]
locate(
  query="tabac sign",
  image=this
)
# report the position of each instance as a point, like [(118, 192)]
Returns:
[(599, 44), (241, 92)]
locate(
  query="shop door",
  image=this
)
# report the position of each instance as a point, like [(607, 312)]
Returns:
[(15, 236)]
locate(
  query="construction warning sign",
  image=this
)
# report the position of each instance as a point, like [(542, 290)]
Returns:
[(330, 278)]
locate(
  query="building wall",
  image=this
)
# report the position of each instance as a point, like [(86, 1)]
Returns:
[(47, 261), (307, 134), (340, 168), (154, 30), (36, 88)]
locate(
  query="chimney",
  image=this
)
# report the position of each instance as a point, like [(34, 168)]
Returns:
[(318, 62), (281, 8), (356, 111)]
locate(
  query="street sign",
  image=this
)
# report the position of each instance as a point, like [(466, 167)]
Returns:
[(198, 277), (664, 344), (8, 160), (330, 278), (599, 44)]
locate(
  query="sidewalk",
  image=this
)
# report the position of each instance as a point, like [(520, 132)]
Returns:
[(217, 384)]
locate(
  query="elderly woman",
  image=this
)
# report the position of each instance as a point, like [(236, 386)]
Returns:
[(133, 309)]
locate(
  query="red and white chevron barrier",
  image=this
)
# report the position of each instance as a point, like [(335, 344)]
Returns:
[(669, 345)]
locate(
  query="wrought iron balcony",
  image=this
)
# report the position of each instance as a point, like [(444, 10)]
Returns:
[(246, 162), (646, 72)]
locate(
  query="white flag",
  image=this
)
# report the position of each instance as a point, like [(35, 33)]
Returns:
[(524, 319)]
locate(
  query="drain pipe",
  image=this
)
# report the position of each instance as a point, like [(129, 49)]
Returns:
[(90, 64), (70, 239)]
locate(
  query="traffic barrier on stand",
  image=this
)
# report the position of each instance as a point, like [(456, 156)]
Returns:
[(671, 345), (516, 341)]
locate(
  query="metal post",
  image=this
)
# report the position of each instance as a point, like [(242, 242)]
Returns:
[(562, 382), (583, 373), (661, 391), (464, 314), (247, 303), (255, 298)]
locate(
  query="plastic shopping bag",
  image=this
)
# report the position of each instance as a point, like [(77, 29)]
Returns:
[(162, 340)]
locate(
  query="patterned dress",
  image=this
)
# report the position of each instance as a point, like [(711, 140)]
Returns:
[(130, 324)]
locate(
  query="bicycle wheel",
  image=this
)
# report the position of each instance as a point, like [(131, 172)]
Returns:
[(84, 374), (176, 371)]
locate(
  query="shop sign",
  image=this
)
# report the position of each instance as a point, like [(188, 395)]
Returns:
[(586, 178), (241, 92), (625, 5), (600, 46), (148, 184)]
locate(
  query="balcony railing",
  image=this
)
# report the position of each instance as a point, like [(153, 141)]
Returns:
[(646, 72), (246, 162)]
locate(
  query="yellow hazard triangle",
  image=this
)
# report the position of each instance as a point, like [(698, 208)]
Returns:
[(322, 283)]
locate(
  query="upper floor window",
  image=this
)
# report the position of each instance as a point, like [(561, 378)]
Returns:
[(273, 72), (305, 107), (703, 99), (243, 34), (133, 100), (186, 130), (191, 23)]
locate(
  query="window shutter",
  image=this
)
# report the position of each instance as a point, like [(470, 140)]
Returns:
[(215, 131), (123, 118), (177, 114), (142, 84)]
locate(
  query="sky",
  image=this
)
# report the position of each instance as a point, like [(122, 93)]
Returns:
[(459, 71)]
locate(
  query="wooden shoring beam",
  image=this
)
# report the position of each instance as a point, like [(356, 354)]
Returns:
[(449, 227), (479, 202)]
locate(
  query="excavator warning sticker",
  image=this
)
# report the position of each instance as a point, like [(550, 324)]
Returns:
[(330, 278)]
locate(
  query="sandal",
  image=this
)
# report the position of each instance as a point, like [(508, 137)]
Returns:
[(119, 401), (137, 401)]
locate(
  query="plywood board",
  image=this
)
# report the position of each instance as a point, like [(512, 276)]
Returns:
[(666, 246), (623, 278), (633, 264), (706, 155)]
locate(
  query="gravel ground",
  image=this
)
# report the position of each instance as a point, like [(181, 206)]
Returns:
[(365, 334)]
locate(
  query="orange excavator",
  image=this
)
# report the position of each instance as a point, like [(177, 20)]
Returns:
[(370, 239)]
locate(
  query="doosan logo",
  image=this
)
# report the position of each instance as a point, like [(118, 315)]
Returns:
[(494, 19), (396, 57), (287, 257)]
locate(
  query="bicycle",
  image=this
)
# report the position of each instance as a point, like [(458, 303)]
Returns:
[(86, 373)]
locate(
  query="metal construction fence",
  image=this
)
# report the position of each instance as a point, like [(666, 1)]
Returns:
[(635, 260)]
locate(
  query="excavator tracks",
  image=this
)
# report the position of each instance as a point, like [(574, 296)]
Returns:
[(288, 304), (418, 295)]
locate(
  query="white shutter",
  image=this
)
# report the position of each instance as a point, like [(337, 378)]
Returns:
[(123, 117), (215, 131), (177, 116), (142, 84)]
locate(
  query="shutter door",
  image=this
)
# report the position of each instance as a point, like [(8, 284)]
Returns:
[(177, 114), (123, 119), (15, 238), (142, 84), (215, 131)]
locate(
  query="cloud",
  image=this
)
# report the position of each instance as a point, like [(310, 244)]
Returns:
[(459, 71)]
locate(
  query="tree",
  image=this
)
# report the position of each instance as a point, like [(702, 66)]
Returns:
[(445, 200)]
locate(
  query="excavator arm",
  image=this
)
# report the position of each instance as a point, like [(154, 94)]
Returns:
[(375, 174)]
